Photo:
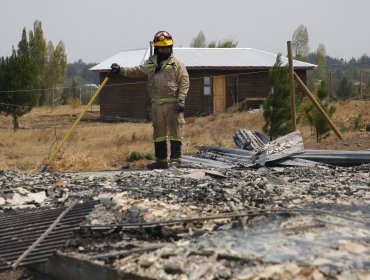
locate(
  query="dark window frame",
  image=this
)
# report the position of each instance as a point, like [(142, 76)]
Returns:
[(232, 87), (207, 86)]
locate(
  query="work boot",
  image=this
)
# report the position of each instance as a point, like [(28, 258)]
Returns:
[(159, 164), (175, 158), (160, 150), (175, 163)]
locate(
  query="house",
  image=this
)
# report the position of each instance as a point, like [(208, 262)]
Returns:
[(219, 79)]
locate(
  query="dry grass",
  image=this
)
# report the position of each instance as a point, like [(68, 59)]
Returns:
[(344, 119), (101, 146)]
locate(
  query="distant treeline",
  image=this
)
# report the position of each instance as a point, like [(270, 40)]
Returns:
[(81, 69), (347, 79)]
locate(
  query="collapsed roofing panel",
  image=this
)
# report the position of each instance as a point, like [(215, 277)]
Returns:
[(255, 150)]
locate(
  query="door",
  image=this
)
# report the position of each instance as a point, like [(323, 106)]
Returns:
[(219, 94)]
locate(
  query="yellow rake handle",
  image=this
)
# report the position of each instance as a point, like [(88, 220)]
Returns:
[(69, 132)]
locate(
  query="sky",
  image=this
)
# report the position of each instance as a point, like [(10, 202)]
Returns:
[(96, 30)]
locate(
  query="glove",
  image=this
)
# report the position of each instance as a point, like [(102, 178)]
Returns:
[(116, 68), (180, 107)]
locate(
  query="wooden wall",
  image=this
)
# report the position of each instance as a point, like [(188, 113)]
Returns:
[(128, 101)]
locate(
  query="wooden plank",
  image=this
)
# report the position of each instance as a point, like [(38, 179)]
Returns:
[(292, 93)]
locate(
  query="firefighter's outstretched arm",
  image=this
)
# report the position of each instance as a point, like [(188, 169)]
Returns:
[(133, 72)]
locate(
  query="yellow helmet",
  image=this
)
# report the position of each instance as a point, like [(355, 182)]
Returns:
[(162, 39)]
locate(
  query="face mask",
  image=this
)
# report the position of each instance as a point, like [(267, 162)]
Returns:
[(163, 56)]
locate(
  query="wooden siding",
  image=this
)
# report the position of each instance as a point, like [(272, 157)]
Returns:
[(127, 98), (124, 98)]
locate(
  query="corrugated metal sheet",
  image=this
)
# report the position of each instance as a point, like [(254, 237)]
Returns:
[(204, 57)]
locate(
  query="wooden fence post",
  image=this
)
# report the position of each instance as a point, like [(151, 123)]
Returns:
[(292, 93)]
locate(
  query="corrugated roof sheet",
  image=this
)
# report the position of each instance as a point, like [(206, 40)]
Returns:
[(204, 57)]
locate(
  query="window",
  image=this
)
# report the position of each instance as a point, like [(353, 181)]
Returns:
[(207, 86)]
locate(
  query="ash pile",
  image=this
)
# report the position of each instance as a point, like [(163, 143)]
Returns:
[(297, 220)]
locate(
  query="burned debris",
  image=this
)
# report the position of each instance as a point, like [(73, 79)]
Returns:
[(182, 223), (250, 214), (33, 237)]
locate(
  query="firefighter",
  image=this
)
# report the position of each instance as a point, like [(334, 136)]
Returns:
[(168, 84)]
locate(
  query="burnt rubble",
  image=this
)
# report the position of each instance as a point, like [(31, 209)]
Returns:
[(300, 221)]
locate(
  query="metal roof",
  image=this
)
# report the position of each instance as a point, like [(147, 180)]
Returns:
[(204, 58)]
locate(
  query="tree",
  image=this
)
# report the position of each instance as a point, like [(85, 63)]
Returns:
[(300, 45), (54, 73), (353, 70), (344, 90), (79, 68), (16, 79), (50, 65), (38, 56), (277, 111), (25, 75), (314, 117), (199, 41), (321, 72), (23, 46)]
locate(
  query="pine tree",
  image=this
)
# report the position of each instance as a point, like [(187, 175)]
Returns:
[(344, 90), (23, 46), (277, 111), (16, 76), (314, 117)]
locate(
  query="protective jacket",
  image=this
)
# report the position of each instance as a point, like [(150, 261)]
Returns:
[(167, 83)]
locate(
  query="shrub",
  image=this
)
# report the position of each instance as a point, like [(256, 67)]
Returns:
[(135, 155), (358, 122), (73, 102)]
